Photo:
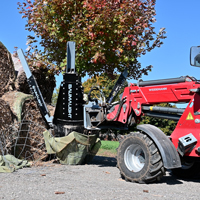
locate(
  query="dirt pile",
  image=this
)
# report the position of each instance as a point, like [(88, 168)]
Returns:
[(7, 71), (21, 124), (46, 82), (6, 116)]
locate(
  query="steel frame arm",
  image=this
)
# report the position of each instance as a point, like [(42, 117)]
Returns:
[(35, 89), (118, 85)]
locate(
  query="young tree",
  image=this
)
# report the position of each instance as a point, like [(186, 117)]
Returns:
[(104, 83), (110, 35)]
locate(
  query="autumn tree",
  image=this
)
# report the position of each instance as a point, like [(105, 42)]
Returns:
[(55, 97), (104, 83), (110, 35)]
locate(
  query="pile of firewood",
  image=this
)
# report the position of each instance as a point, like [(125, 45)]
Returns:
[(20, 118)]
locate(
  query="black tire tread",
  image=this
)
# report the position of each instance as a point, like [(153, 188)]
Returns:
[(155, 170)]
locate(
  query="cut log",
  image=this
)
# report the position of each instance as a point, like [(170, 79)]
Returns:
[(7, 71)]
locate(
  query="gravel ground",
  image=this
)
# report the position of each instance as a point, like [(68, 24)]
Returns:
[(98, 180)]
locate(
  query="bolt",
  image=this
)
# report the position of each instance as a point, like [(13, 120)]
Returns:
[(198, 150)]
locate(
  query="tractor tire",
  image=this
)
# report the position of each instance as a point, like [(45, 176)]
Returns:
[(188, 170), (139, 160)]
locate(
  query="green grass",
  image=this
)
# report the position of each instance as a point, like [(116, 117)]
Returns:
[(109, 145), (108, 148)]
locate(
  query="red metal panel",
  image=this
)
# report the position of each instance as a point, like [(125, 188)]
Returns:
[(125, 110), (179, 92), (187, 125)]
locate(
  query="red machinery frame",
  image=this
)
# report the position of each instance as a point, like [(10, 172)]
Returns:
[(188, 91)]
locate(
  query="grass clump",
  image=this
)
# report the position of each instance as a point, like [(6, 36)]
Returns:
[(109, 145), (108, 148)]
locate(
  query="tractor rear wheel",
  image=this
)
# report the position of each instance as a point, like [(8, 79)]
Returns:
[(139, 160), (188, 170)]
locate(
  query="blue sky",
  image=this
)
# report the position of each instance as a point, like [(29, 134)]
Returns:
[(179, 17)]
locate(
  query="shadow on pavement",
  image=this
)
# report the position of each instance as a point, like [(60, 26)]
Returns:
[(104, 161), (171, 179), (195, 179), (168, 179)]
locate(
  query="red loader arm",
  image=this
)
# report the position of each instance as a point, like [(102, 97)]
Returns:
[(140, 97)]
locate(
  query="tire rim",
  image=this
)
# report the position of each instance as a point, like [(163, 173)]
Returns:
[(134, 158)]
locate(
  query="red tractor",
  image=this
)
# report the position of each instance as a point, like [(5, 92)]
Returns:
[(143, 156)]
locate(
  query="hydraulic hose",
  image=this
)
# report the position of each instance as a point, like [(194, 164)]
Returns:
[(118, 111)]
